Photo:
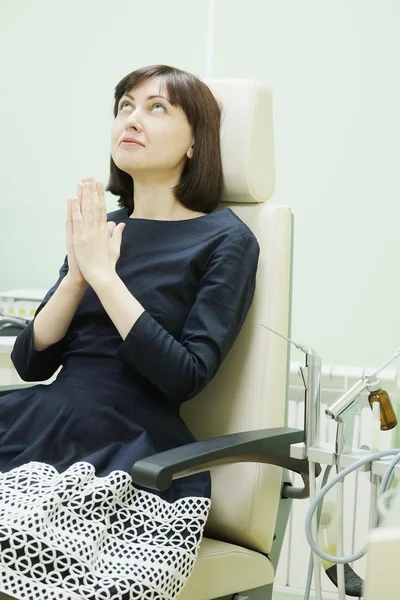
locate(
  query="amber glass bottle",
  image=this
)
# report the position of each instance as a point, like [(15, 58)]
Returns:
[(377, 394)]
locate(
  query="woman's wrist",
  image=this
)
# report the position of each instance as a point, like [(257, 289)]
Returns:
[(75, 285), (104, 280)]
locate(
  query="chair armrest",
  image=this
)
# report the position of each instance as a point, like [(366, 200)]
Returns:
[(271, 446), (8, 389)]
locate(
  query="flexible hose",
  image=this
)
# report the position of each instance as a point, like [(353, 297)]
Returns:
[(383, 500), (340, 567), (314, 526), (311, 562), (319, 497)]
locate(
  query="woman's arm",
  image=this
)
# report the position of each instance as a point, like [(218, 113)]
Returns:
[(51, 324), (181, 368), (118, 302), (37, 360)]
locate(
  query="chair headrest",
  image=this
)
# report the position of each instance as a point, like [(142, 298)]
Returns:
[(247, 139)]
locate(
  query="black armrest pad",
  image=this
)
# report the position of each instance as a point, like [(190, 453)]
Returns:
[(270, 446)]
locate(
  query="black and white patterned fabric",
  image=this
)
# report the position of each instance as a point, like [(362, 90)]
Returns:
[(76, 536)]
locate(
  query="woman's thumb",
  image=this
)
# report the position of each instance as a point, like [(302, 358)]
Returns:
[(117, 233), (110, 227)]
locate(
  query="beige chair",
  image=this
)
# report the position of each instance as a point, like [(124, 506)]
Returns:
[(246, 402), (240, 417)]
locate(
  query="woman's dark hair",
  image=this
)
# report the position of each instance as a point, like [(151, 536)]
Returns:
[(200, 186)]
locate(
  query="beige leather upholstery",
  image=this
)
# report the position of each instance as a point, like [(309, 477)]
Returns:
[(247, 139), (249, 391), (222, 568)]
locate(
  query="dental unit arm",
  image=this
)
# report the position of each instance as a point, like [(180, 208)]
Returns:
[(311, 375), (345, 402), (343, 411)]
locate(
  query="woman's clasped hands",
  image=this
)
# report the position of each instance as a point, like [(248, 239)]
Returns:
[(93, 244)]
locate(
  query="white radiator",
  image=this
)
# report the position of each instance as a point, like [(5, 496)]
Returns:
[(292, 570)]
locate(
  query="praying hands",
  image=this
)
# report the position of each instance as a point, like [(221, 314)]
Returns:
[(93, 245)]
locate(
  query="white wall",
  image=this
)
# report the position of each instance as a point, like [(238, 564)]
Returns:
[(60, 63), (333, 68)]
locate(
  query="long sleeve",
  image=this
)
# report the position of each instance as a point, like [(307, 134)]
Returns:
[(182, 368), (30, 364)]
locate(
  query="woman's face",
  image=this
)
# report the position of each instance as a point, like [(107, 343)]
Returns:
[(162, 132)]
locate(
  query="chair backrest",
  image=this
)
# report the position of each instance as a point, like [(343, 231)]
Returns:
[(250, 389)]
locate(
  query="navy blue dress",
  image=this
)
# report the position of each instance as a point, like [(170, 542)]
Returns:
[(116, 401)]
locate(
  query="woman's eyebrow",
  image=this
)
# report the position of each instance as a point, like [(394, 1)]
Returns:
[(148, 97)]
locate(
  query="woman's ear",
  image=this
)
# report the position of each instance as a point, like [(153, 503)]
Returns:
[(189, 153)]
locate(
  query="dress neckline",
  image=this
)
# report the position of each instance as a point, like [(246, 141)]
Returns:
[(139, 219)]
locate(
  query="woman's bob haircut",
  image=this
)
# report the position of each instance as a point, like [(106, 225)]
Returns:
[(200, 186)]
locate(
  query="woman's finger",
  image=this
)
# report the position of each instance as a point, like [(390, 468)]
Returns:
[(110, 227), (82, 181), (87, 212), (116, 238), (102, 200), (76, 215), (97, 221)]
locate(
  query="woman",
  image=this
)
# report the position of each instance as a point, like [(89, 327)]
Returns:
[(147, 305)]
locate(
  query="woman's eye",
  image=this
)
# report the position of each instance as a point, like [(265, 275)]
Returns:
[(159, 106), (123, 104)]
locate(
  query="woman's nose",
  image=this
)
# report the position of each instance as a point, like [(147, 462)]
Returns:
[(134, 121)]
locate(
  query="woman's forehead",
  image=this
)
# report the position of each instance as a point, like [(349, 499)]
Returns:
[(154, 86)]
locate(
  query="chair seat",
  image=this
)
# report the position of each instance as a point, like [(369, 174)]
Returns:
[(223, 569)]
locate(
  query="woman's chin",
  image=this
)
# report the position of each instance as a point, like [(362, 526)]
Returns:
[(131, 169)]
